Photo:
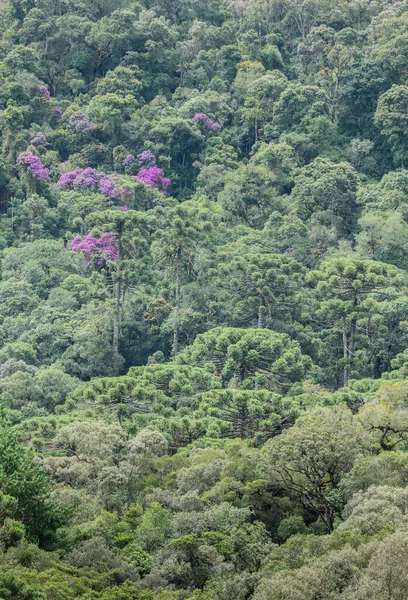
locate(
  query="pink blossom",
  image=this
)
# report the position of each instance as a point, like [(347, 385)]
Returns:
[(79, 122), (147, 158), (207, 122), (107, 186), (154, 177), (34, 165), (100, 249), (89, 178), (128, 160), (44, 91), (39, 140), (124, 191)]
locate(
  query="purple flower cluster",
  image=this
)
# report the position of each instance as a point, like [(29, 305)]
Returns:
[(147, 158), (128, 160), (39, 140), (103, 248), (124, 190), (154, 176), (82, 179), (107, 187), (79, 122), (44, 91), (207, 122), (34, 165), (57, 112)]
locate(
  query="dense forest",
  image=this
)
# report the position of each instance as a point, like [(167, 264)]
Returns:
[(204, 300)]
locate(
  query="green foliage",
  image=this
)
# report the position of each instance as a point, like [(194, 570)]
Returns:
[(214, 406), (309, 459), (249, 357), (24, 479)]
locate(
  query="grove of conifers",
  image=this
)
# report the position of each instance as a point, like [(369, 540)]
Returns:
[(203, 300)]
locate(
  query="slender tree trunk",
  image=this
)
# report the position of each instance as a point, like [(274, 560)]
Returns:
[(116, 314), (348, 346), (345, 356), (260, 325), (177, 307), (260, 313), (31, 185)]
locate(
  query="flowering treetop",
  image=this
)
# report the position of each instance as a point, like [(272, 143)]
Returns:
[(151, 174), (128, 160), (87, 179), (79, 122), (207, 121), (39, 140), (147, 158), (154, 177), (44, 91), (100, 249), (34, 165)]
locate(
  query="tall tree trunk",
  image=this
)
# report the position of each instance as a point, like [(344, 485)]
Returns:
[(177, 307), (116, 314), (345, 356), (260, 313)]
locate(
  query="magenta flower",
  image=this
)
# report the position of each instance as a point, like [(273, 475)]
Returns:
[(89, 178), (101, 249), (206, 121), (44, 91), (79, 122), (154, 177), (147, 158), (34, 165), (57, 112), (39, 140), (128, 160), (124, 191), (107, 187)]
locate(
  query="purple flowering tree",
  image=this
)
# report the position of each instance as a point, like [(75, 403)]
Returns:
[(104, 250), (44, 91), (151, 174), (99, 250), (89, 179), (34, 169), (147, 158), (128, 160), (203, 118), (121, 249), (33, 165), (39, 140), (80, 122)]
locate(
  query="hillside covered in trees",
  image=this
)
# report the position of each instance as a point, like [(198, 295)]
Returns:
[(203, 300)]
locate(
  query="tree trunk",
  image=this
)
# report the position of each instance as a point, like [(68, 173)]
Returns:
[(116, 314), (260, 313), (346, 357), (177, 307)]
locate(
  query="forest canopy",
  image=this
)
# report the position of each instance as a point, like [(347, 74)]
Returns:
[(203, 299)]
